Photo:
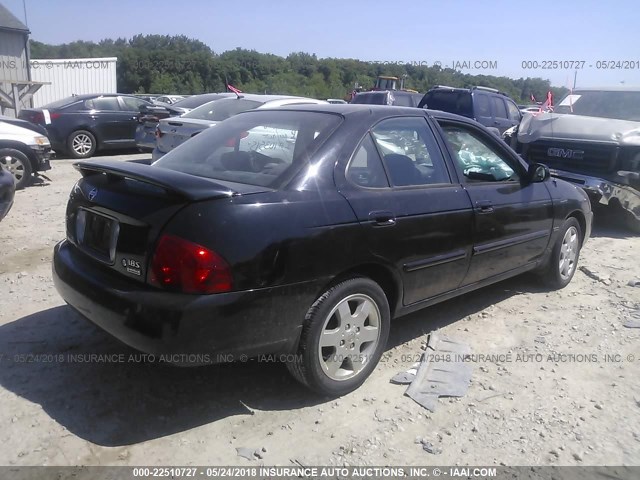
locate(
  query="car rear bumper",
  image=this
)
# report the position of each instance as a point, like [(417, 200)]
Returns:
[(603, 191), (218, 328), (145, 138)]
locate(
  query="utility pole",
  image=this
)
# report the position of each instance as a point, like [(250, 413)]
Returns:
[(24, 7), (575, 77)]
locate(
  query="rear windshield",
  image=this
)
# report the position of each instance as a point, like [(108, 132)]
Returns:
[(197, 100), (619, 105), (61, 103), (452, 102), (379, 98), (220, 110), (262, 148)]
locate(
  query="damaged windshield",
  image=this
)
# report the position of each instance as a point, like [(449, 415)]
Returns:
[(620, 105)]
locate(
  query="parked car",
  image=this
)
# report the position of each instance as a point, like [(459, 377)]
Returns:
[(218, 250), (488, 106), (7, 191), (150, 115), (83, 124), (591, 139), (39, 129), (388, 97), (172, 132), (23, 152), (169, 99)]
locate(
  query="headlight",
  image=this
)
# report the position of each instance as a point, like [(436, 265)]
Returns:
[(42, 141)]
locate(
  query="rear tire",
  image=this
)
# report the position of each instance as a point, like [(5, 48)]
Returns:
[(18, 164), (343, 337), (563, 261), (81, 144)]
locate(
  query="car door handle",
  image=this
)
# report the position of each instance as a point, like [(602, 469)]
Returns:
[(484, 206), (382, 218)]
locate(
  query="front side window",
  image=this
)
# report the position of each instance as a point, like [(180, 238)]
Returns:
[(103, 103), (499, 110), (256, 148), (132, 104), (482, 105), (410, 152), (514, 111), (478, 160)]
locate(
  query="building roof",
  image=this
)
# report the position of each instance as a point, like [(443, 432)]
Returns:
[(8, 21)]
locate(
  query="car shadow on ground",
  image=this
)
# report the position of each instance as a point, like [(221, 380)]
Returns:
[(115, 398)]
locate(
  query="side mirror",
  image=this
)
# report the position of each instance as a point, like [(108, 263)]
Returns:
[(538, 173)]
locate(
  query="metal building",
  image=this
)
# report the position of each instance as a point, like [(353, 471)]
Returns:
[(71, 76), (16, 87)]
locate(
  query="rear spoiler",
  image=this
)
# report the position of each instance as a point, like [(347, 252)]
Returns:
[(187, 186)]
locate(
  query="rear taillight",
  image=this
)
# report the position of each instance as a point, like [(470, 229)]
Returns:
[(184, 266)]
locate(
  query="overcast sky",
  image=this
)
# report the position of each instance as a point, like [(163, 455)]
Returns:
[(503, 33)]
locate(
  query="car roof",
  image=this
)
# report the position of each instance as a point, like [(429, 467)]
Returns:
[(375, 110)]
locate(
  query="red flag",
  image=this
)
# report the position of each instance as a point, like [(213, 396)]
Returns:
[(233, 89)]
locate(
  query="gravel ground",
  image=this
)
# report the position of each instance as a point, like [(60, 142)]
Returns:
[(566, 390)]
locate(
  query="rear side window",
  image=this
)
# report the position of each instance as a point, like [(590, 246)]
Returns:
[(448, 101), (410, 152), (262, 148), (365, 168), (403, 100)]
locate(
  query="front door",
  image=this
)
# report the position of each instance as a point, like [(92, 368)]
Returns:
[(512, 216)]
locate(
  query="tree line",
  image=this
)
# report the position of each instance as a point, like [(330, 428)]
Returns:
[(181, 65)]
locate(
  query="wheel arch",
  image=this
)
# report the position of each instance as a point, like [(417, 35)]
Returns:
[(582, 221), (21, 147), (384, 276)]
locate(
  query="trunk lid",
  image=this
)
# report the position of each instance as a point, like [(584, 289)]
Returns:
[(117, 210)]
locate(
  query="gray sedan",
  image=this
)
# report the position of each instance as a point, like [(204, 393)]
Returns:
[(174, 131)]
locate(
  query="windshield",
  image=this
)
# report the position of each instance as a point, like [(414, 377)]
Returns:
[(620, 105), (219, 110), (257, 148), (452, 102)]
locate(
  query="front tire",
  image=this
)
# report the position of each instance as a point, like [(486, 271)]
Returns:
[(343, 337), (81, 144), (18, 164), (563, 261)]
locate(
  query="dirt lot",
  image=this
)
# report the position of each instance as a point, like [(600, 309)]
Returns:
[(554, 409)]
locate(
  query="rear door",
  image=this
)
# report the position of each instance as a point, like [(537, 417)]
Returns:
[(482, 109), (512, 217), (416, 217), (501, 118)]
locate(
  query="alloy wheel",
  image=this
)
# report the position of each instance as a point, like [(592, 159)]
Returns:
[(569, 252), (350, 335)]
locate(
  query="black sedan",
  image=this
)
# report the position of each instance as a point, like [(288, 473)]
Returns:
[(302, 231), (7, 191), (82, 124)]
